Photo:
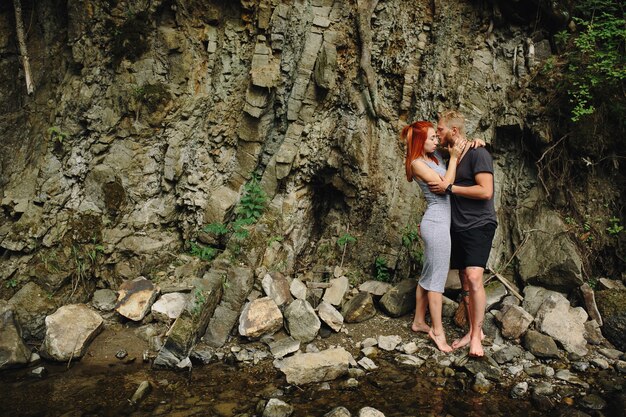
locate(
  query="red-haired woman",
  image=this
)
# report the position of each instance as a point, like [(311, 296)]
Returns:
[(423, 164)]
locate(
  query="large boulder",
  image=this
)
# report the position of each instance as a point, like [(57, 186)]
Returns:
[(306, 368), (13, 351), (69, 331), (612, 307), (277, 287), (565, 324), (301, 321), (169, 306), (260, 317), (337, 290), (399, 300), (359, 308), (330, 315), (534, 297), (135, 297), (515, 322), (32, 305)]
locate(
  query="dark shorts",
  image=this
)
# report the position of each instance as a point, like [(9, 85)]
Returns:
[(471, 247)]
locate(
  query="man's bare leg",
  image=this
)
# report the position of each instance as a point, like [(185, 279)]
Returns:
[(465, 284), (436, 333), (419, 321)]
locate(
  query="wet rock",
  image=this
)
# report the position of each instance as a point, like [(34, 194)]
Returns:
[(13, 351), (335, 293), (121, 354), (507, 354), (135, 298), (485, 366), (376, 288), (277, 408), (620, 366), (409, 360), (593, 334), (237, 283), (359, 308), (69, 331), (519, 390), (34, 360), (367, 364), (142, 391), (592, 402), (400, 300), (301, 321), (39, 372), (567, 376), (491, 329), (202, 356), (191, 323), (169, 306), (104, 299), (481, 384), (370, 412), (612, 307), (600, 363), (590, 303), (494, 292), (610, 353), (557, 319), (329, 315), (276, 286), (538, 370), (284, 347), (540, 345), (260, 317), (32, 305), (580, 366), (389, 343), (338, 412), (534, 297), (543, 388), (515, 322), (305, 368), (298, 289), (409, 348)]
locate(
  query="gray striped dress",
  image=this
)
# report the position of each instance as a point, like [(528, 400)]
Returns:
[(435, 232)]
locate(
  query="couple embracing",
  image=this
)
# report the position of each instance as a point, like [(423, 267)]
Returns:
[(458, 226)]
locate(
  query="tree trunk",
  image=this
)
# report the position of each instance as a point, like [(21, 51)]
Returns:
[(21, 41)]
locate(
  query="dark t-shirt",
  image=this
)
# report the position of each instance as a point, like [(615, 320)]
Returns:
[(468, 213)]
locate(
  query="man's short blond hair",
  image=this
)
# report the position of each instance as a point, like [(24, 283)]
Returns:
[(453, 118)]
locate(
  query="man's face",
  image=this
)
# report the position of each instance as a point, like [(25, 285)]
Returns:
[(445, 133)]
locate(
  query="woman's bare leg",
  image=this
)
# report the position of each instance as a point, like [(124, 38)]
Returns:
[(435, 301), (419, 321)]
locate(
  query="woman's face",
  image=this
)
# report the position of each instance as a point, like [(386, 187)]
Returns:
[(431, 141)]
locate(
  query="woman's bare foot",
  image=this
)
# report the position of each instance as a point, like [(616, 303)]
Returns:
[(476, 349), (440, 341), (420, 327), (465, 340)]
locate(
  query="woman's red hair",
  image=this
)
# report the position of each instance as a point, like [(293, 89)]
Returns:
[(415, 136)]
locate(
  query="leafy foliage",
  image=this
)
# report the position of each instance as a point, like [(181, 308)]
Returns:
[(345, 239), (382, 270), (252, 202), (205, 253)]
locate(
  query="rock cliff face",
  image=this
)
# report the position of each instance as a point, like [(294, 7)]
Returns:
[(148, 117)]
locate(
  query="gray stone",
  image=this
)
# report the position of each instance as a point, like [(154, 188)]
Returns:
[(612, 307), (338, 412), (135, 298), (329, 315), (301, 321), (306, 368), (389, 343), (39, 372), (284, 347), (142, 391), (567, 376), (515, 322), (13, 351), (592, 402), (507, 354), (485, 366), (370, 351), (69, 331), (519, 390), (237, 283), (191, 323), (620, 366), (534, 297), (370, 412), (298, 289), (580, 366), (612, 354), (104, 299), (277, 408), (32, 305), (202, 356), (260, 317), (367, 364), (481, 384), (334, 295), (540, 345), (494, 292), (276, 286), (169, 306), (543, 388), (593, 334), (600, 363), (325, 72), (359, 308), (449, 307), (557, 319), (409, 348), (491, 329), (376, 288), (410, 360), (400, 300), (538, 370)]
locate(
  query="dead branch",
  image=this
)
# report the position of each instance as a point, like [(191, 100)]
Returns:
[(21, 41)]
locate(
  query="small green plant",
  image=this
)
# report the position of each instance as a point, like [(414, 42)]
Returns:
[(198, 301), (12, 283), (206, 253), (343, 242), (57, 136), (274, 239), (216, 229), (252, 202), (225, 283), (382, 270), (615, 227)]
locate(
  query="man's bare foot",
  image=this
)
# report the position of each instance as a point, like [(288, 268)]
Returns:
[(420, 327), (476, 349), (465, 340), (440, 341)]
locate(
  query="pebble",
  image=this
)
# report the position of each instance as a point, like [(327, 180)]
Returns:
[(621, 366), (519, 390), (580, 366), (600, 363), (355, 372), (543, 388), (371, 351), (39, 372), (350, 383), (410, 348), (481, 384), (370, 341), (121, 354), (141, 392), (610, 353), (367, 364)]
